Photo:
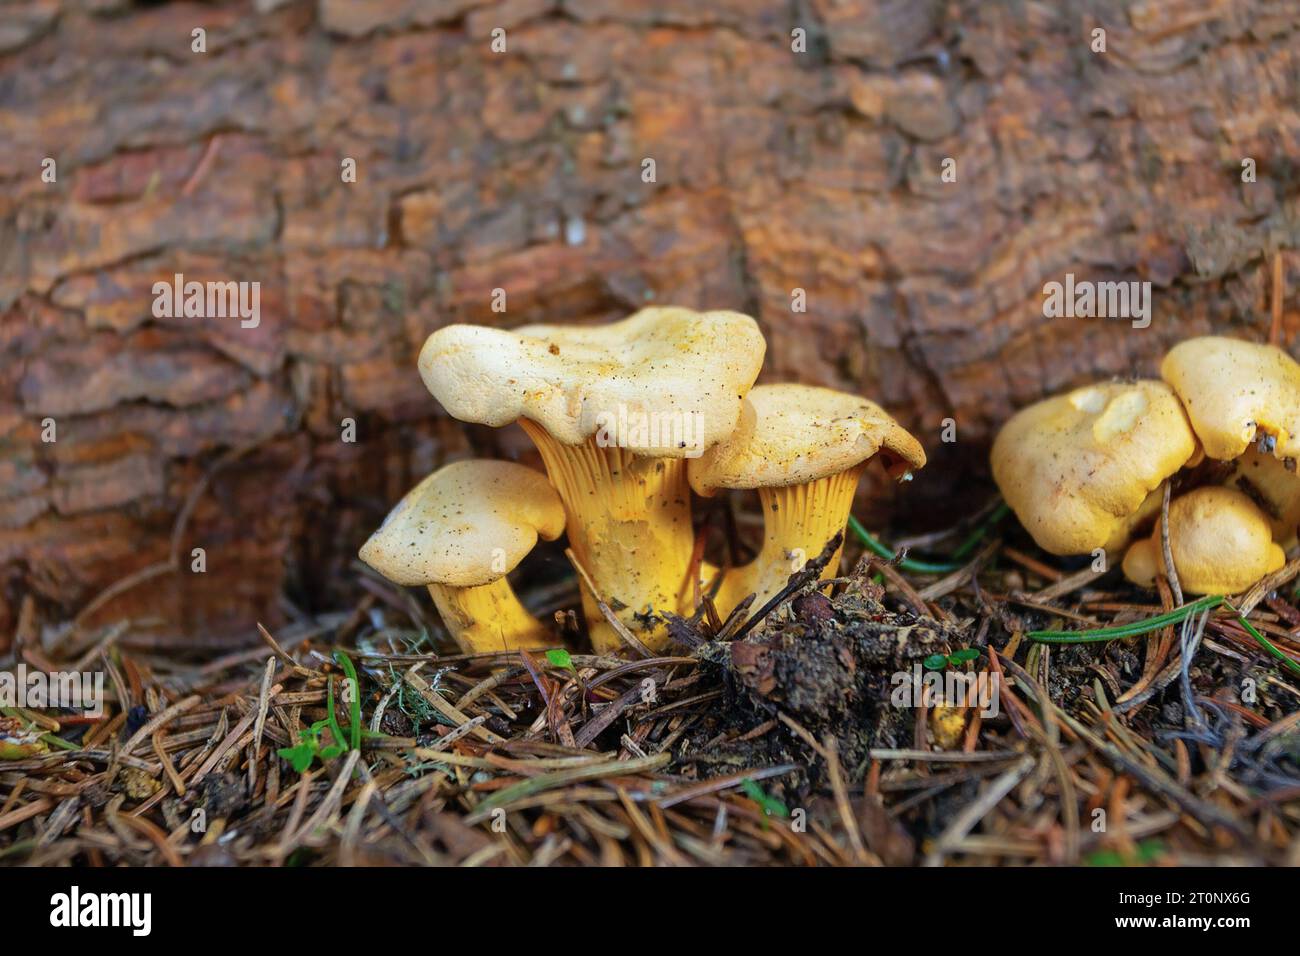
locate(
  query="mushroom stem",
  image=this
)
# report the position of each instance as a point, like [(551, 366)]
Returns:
[(798, 520), (489, 618), (629, 523)]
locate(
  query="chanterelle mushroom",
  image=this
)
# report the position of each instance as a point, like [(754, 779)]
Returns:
[(1081, 470), (804, 449), (1243, 400), (1237, 394), (1273, 486), (459, 532), (614, 410), (1220, 541)]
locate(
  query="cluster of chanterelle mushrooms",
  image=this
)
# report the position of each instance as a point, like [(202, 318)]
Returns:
[(628, 418), (1086, 470)]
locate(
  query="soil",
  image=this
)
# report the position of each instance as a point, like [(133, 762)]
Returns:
[(827, 664)]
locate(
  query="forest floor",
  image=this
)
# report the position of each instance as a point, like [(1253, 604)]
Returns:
[(786, 736)]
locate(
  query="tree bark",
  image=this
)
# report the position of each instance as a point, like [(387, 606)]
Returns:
[(775, 171)]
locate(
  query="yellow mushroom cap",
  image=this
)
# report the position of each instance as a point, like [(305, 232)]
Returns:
[(1274, 487), (794, 434), (1220, 541), (1078, 469), (666, 382), (468, 523), (1234, 389)]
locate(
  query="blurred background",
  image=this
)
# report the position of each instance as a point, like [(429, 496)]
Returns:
[(796, 145)]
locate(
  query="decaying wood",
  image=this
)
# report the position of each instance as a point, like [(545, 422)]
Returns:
[(522, 170)]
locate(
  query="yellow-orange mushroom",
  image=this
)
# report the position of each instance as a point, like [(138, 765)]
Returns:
[(803, 448), (459, 532), (1220, 541), (615, 410)]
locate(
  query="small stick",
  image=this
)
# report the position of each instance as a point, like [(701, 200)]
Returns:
[(116, 631), (263, 704), (1265, 585), (151, 832), (121, 587), (975, 811), (1033, 564), (159, 720), (276, 649), (945, 586), (328, 807), (592, 728), (901, 584), (352, 827), (736, 618), (1166, 553), (715, 784), (804, 734), (463, 730), (840, 788), (619, 627), (445, 707), (178, 784), (487, 684), (1068, 585), (810, 572)]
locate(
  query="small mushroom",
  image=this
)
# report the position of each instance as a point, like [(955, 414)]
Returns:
[(1243, 400), (1273, 486), (1237, 394), (947, 724), (1081, 470), (615, 411), (804, 448), (459, 532), (1220, 541)]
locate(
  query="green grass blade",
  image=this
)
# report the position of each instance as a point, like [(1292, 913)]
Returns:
[(354, 704), (331, 720)]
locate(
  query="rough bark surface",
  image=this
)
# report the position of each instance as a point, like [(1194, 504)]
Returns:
[(775, 171)]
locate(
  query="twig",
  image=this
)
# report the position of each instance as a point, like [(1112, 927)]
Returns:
[(1166, 552), (812, 571), (974, 812), (619, 627), (841, 791)]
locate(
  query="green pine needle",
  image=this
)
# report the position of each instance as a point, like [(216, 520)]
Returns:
[(975, 537), (916, 566), (1132, 629), (1268, 645), (907, 564)]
